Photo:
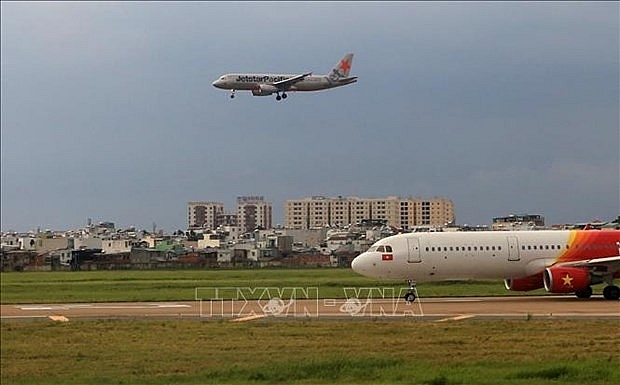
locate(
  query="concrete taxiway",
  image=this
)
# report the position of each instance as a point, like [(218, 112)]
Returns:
[(432, 309)]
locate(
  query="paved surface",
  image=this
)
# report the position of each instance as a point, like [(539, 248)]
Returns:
[(240, 310)]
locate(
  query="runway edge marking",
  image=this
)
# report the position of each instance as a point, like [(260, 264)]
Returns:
[(248, 318), (457, 318)]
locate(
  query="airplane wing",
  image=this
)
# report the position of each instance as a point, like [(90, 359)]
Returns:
[(610, 264), (286, 84)]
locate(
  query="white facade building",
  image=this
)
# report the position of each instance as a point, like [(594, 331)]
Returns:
[(399, 212)]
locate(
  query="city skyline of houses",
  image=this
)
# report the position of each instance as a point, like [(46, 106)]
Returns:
[(103, 246)]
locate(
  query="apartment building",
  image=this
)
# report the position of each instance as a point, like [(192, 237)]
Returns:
[(319, 211), (253, 212), (204, 215)]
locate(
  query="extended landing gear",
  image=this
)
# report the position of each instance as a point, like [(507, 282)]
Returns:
[(585, 293), (412, 294), (409, 297), (278, 97), (611, 292), (232, 94)]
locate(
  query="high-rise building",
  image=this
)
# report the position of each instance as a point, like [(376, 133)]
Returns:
[(204, 215), (404, 213), (253, 212)]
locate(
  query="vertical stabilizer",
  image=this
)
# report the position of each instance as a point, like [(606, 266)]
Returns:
[(342, 69)]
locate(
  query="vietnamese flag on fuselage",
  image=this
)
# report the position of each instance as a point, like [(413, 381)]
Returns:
[(387, 257)]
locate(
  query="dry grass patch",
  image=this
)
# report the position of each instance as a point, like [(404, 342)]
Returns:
[(314, 351)]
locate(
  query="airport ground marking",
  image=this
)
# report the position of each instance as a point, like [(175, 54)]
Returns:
[(457, 318), (248, 318)]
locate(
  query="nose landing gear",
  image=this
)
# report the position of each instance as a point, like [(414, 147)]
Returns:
[(412, 294)]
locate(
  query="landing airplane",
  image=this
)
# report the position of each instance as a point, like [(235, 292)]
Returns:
[(268, 84), (558, 260)]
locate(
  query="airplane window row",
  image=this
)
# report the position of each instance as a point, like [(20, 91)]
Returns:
[(388, 248), (597, 246), (464, 248), (523, 247), (541, 247)]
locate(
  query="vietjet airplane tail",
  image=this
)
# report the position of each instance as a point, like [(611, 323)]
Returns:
[(342, 69)]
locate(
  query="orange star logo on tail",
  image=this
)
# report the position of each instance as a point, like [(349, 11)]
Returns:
[(345, 66)]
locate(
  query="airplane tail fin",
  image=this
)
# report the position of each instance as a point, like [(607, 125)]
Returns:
[(342, 69)]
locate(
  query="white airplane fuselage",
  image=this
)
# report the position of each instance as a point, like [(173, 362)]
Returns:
[(248, 82), (525, 259)]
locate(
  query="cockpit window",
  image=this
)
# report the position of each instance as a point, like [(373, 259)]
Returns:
[(380, 249)]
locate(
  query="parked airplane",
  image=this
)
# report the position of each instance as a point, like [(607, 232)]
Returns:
[(268, 84), (560, 261)]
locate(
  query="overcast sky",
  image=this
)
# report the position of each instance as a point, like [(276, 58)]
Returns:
[(108, 111)]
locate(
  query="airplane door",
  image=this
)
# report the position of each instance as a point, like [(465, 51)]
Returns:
[(413, 248), (513, 248)]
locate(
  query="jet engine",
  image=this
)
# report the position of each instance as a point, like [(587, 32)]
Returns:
[(532, 282), (566, 279), (264, 90)]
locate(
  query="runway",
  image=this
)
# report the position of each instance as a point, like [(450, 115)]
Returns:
[(242, 310)]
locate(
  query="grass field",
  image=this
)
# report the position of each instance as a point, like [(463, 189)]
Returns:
[(310, 352), (178, 285)]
